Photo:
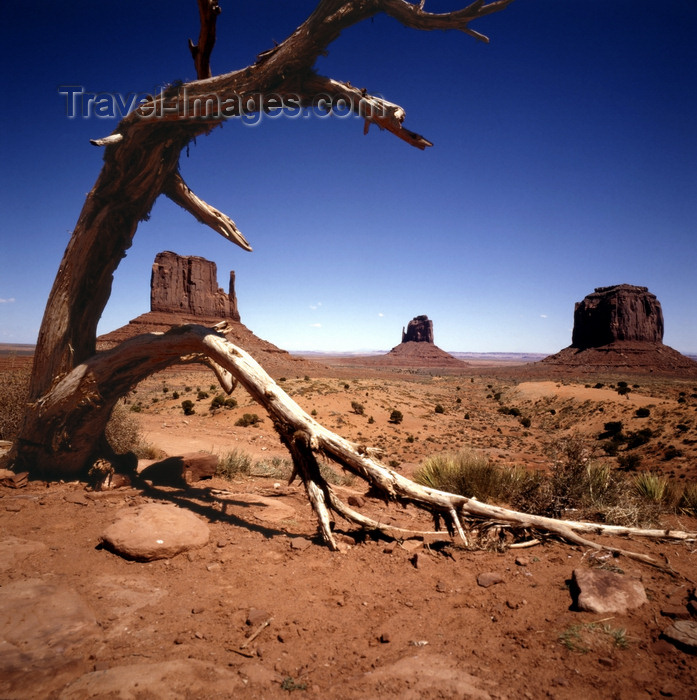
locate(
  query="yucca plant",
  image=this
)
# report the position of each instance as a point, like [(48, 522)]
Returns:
[(651, 487)]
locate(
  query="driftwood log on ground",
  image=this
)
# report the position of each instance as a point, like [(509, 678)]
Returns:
[(113, 371)]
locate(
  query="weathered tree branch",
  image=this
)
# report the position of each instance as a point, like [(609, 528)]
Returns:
[(208, 11), (178, 191), (92, 388)]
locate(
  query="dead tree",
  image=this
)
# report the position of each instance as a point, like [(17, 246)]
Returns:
[(74, 388)]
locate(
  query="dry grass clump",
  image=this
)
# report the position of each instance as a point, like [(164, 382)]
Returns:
[(14, 393), (124, 434), (576, 485)]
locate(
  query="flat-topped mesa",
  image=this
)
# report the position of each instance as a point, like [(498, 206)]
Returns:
[(622, 312), (419, 330), (189, 285)]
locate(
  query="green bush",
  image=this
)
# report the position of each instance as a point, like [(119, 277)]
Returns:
[(201, 395), (396, 417), (188, 407), (248, 419), (642, 412), (221, 401), (439, 408), (358, 408)]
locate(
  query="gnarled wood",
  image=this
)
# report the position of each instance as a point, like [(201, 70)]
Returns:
[(104, 377)]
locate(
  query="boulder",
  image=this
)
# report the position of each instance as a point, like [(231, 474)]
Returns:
[(155, 531), (181, 470), (617, 313), (189, 284), (606, 592), (419, 330)]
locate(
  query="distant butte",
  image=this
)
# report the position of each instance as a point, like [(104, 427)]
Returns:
[(417, 348), (184, 289), (620, 327)]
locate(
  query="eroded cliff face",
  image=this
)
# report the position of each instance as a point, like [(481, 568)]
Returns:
[(622, 312), (419, 330), (189, 284)]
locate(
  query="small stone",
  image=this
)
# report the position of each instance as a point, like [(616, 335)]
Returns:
[(385, 638), (300, 543), (356, 501), (489, 578), (522, 561), (683, 633), (604, 592), (255, 617), (661, 647), (676, 612), (197, 611), (606, 661), (442, 587)]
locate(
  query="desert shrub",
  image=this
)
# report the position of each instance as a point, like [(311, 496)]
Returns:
[(688, 500), (188, 407), (671, 452), (124, 435), (681, 428), (470, 473), (439, 408), (235, 463), (639, 437), (175, 394), (611, 429), (525, 422), (629, 462), (358, 408), (222, 401), (14, 393), (248, 419), (202, 395), (642, 412), (651, 487), (396, 417)]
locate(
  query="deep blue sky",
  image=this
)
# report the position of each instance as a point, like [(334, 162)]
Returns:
[(565, 159)]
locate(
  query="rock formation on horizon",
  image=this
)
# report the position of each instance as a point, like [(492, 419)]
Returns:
[(417, 348), (620, 327), (616, 313), (419, 330), (184, 289), (189, 284)]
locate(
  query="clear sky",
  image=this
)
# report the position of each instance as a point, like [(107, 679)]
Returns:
[(565, 159)]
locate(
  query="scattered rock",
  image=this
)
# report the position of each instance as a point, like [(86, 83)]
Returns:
[(677, 612), (683, 633), (42, 628), (300, 543), (155, 531), (256, 617), (489, 578), (77, 498), (13, 480), (13, 550), (182, 678), (606, 592), (356, 501), (183, 469)]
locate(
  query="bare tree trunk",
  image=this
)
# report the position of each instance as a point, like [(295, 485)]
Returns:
[(141, 162)]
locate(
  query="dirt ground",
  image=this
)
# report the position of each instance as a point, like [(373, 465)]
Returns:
[(381, 619)]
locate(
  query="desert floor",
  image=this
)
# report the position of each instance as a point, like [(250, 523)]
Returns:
[(382, 618)]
